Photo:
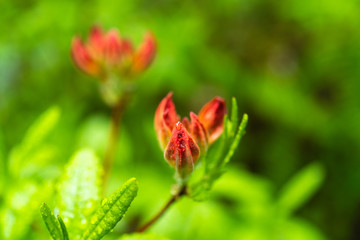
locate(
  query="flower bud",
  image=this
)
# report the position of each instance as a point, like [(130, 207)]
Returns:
[(182, 151), (198, 132), (212, 117), (165, 120)]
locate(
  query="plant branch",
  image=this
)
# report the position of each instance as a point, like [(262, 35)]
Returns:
[(116, 117), (172, 200)]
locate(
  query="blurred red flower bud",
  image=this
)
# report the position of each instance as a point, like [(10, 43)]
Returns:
[(182, 151), (108, 52), (212, 117), (165, 120)]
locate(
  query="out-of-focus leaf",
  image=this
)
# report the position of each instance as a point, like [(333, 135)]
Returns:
[(79, 191), (112, 210), (301, 187), (142, 236), (63, 228), (51, 222), (34, 137), (2, 164)]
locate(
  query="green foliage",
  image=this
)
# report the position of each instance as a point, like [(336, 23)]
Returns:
[(111, 211), (214, 162), (300, 188), (63, 228), (79, 191), (27, 152), (142, 236), (52, 224)]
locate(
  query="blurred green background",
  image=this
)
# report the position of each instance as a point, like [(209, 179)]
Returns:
[(294, 67)]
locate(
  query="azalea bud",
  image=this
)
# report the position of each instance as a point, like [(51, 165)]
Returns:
[(165, 120), (107, 54), (145, 54), (198, 132), (212, 117), (182, 151)]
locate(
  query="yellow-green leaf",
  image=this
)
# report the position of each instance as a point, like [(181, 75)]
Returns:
[(112, 210), (51, 222)]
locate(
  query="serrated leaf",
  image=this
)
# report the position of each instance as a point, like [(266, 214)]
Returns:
[(63, 228), (112, 210), (301, 187), (34, 137), (51, 222), (79, 191), (142, 236)]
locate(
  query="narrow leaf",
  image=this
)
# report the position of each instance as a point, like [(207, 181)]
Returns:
[(236, 141), (301, 187), (79, 191), (234, 116), (63, 228), (112, 210), (51, 223)]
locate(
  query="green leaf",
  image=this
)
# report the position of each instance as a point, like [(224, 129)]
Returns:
[(234, 117), (51, 223), (79, 191), (236, 141), (301, 187), (142, 236), (34, 137), (63, 228), (112, 210)]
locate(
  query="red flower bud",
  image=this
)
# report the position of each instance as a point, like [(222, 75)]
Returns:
[(145, 54), (198, 132), (165, 120), (182, 151), (212, 117)]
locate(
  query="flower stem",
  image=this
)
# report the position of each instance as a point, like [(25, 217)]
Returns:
[(116, 116), (172, 200)]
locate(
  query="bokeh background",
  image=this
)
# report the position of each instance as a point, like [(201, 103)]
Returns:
[(293, 66)]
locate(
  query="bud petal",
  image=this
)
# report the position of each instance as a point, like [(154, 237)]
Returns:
[(145, 54), (198, 132), (212, 117), (186, 123), (96, 42), (82, 57), (181, 151), (112, 47), (165, 119)]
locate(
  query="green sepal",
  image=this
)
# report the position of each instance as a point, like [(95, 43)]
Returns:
[(51, 222), (112, 210), (63, 228)]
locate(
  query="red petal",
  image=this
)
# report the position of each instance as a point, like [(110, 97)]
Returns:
[(82, 57), (165, 119), (112, 47), (198, 132), (212, 117), (181, 151), (96, 41), (145, 54)]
